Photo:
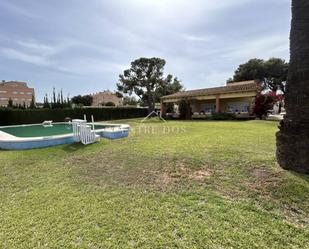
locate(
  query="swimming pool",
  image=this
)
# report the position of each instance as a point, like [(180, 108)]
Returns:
[(19, 137)]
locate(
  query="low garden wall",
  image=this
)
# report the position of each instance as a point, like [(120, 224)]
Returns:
[(31, 116)]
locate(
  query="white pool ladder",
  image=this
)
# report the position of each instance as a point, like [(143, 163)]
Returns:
[(83, 132), (87, 135), (76, 124)]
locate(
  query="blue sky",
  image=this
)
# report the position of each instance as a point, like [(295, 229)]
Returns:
[(82, 46)]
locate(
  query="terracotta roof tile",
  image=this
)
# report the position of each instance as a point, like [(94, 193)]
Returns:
[(230, 88)]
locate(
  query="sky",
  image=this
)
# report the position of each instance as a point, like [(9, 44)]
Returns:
[(82, 46)]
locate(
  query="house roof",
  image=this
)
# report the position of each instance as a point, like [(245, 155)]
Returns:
[(13, 84), (243, 86)]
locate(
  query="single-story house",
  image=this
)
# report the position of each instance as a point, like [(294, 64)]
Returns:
[(236, 97)]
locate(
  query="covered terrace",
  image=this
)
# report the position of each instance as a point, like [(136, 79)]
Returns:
[(236, 98)]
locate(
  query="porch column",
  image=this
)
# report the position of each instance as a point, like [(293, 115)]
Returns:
[(163, 109), (188, 111), (217, 103)]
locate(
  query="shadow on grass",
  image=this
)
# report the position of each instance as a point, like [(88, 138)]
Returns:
[(303, 176), (73, 147), (79, 147)]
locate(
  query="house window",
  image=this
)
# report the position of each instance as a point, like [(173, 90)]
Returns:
[(237, 107), (29, 93), (3, 91), (15, 92), (210, 108), (3, 98)]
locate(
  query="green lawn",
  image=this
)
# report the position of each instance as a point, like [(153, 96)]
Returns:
[(204, 185)]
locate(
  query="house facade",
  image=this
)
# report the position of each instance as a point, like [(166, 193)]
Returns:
[(236, 98), (18, 92), (101, 98)]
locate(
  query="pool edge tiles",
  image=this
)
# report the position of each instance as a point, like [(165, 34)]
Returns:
[(26, 144), (10, 142), (39, 130)]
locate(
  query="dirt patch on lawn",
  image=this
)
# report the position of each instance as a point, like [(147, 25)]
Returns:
[(110, 168), (200, 175), (263, 179), (136, 170), (163, 181)]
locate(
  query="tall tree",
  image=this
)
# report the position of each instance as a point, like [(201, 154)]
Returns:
[(32, 104), (276, 73), (146, 79), (251, 70), (171, 85), (46, 102), (272, 73), (58, 104), (68, 102), (85, 100), (127, 100), (10, 103), (54, 96), (61, 98), (293, 137)]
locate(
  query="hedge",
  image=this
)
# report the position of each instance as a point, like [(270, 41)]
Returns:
[(31, 116), (222, 116)]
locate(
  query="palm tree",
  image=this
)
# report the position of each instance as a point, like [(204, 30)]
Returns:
[(293, 137)]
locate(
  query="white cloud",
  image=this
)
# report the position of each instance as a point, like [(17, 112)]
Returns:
[(21, 56), (195, 38), (88, 66), (262, 47), (40, 54), (38, 48), (203, 41), (216, 77)]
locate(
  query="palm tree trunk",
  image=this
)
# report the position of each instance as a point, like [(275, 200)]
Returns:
[(293, 137)]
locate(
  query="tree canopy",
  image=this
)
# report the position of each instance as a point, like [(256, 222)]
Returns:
[(272, 73), (129, 100), (85, 100), (146, 80)]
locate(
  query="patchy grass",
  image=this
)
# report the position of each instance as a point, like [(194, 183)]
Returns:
[(169, 185)]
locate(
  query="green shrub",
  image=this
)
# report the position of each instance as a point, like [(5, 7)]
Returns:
[(30, 116), (222, 116), (110, 103)]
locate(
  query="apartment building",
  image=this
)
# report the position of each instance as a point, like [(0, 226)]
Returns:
[(17, 91)]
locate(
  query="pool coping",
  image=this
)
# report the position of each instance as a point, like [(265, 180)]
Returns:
[(6, 137)]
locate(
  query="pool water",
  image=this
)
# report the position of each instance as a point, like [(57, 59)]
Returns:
[(41, 131)]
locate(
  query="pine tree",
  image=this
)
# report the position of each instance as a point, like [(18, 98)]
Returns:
[(61, 99), (69, 104), (10, 103), (54, 98), (46, 102), (58, 105), (32, 104)]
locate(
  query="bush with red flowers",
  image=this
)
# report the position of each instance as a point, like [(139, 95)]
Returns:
[(264, 102)]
